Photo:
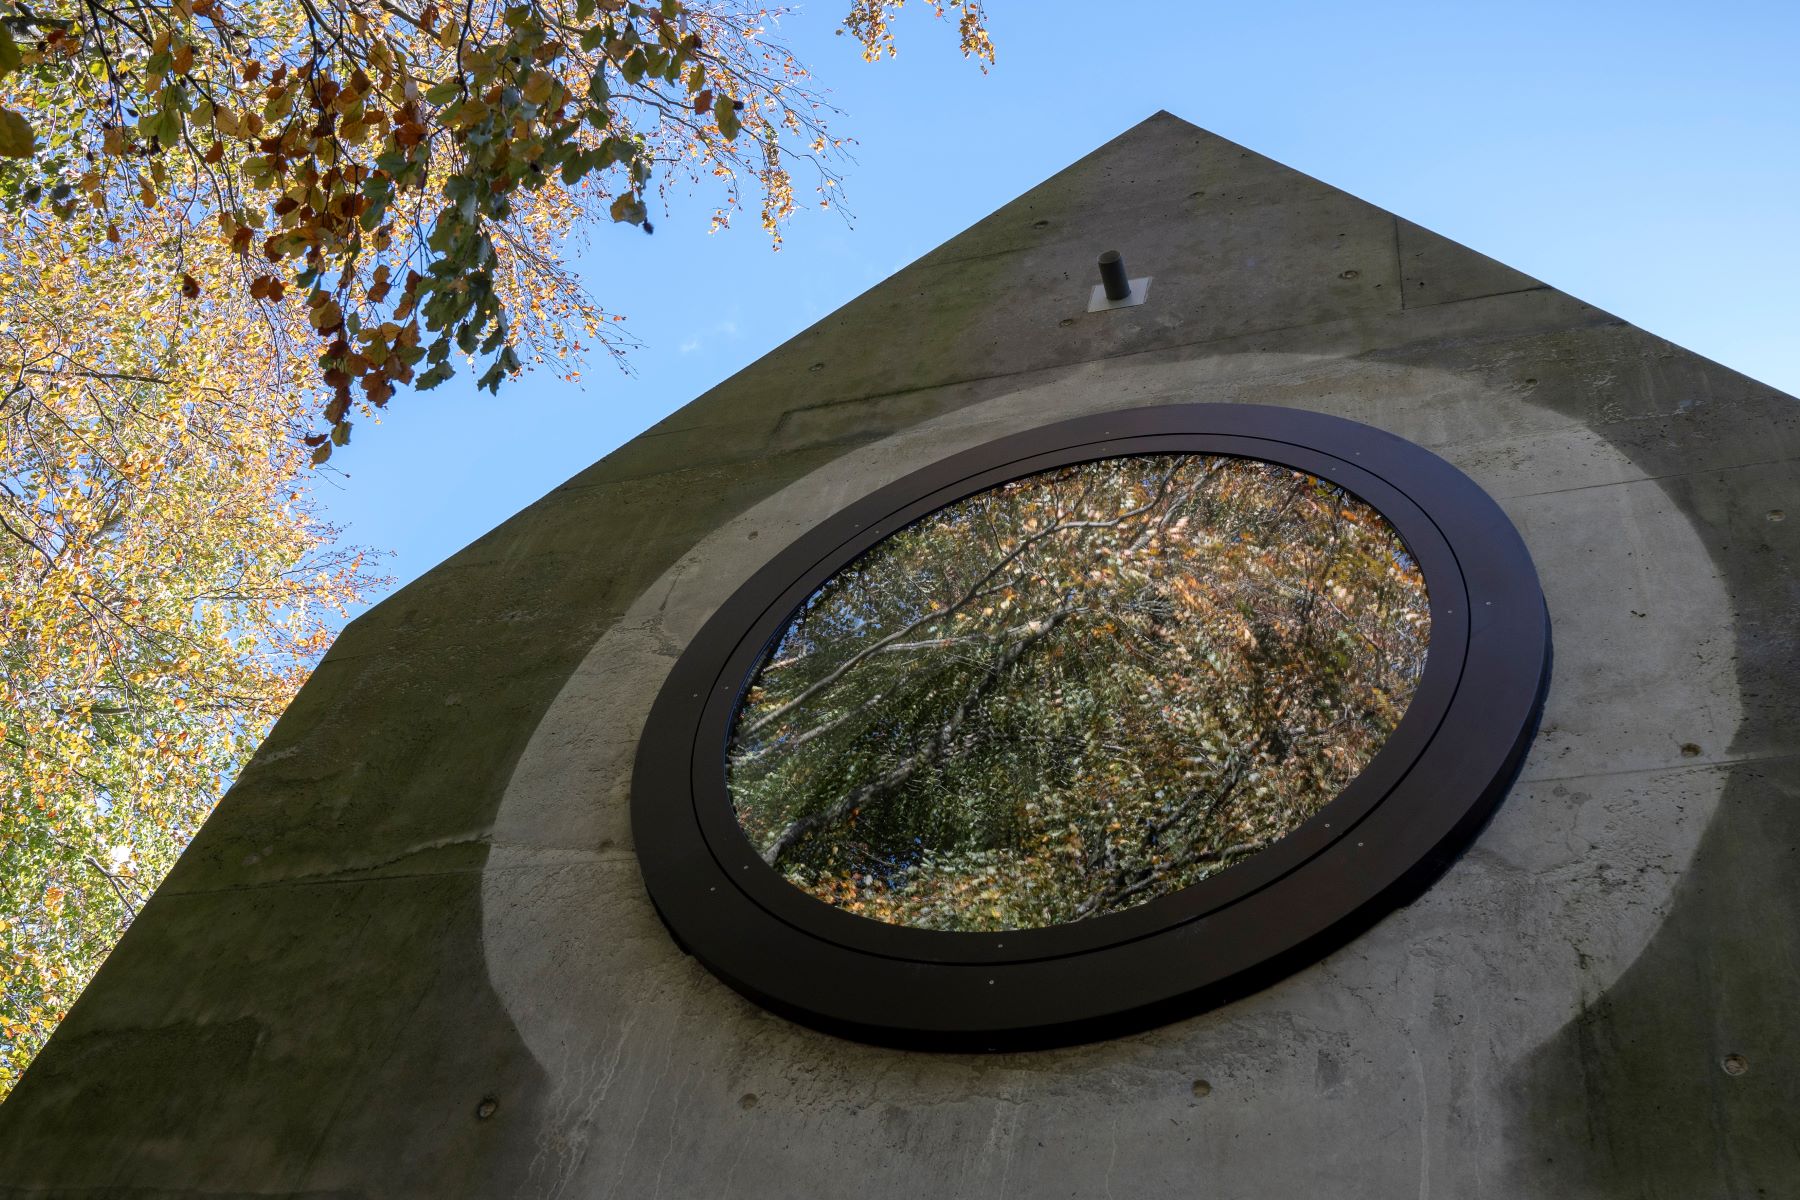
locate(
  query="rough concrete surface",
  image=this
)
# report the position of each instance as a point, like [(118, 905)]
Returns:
[(422, 895)]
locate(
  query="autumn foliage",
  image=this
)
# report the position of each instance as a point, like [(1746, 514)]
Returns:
[(1069, 695), (399, 176), (166, 585)]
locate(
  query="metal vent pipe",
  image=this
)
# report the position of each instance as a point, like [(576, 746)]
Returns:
[(1113, 277)]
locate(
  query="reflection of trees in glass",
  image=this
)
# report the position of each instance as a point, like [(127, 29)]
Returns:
[(1081, 690)]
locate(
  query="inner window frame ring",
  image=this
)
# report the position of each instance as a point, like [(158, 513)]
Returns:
[(770, 890), (724, 904)]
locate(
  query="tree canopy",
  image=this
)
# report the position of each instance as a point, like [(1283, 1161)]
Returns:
[(167, 585), (1079, 691), (404, 173)]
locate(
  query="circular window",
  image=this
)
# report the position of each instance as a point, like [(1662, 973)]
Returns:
[(1075, 692), (1091, 726)]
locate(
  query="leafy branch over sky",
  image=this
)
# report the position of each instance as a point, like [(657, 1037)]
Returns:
[(402, 174)]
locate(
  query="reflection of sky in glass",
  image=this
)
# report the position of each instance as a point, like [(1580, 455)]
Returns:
[(1078, 691)]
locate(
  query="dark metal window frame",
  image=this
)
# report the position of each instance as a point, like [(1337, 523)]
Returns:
[(1392, 830)]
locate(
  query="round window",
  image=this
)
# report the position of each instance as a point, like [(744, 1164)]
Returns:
[(1091, 726), (1075, 692)]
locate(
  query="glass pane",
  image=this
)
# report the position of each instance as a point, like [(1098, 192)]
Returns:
[(1078, 691)]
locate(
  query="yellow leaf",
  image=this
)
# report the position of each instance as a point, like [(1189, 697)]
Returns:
[(538, 89)]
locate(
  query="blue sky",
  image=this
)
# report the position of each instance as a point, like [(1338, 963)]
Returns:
[(1644, 157)]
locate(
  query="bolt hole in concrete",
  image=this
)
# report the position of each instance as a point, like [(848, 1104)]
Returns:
[(1776, 514), (1352, 273), (1690, 750), (818, 366), (748, 1101), (1040, 224), (1202, 1088), (1076, 692), (487, 1108), (1734, 1064)]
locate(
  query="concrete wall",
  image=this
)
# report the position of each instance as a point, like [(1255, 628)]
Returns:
[(422, 893)]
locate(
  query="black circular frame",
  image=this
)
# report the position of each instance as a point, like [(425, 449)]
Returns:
[(1392, 830)]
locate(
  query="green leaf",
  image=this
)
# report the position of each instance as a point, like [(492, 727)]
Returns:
[(494, 339), (575, 166), (280, 105), (16, 137), (725, 112), (168, 125), (9, 53), (432, 376), (444, 92)]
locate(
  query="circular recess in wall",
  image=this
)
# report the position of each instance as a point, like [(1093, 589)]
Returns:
[(1091, 726)]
